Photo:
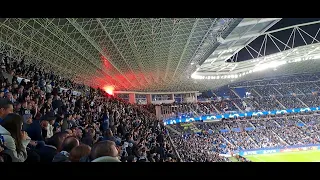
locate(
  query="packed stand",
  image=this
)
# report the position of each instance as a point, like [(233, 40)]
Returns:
[(199, 148), (41, 123), (229, 136), (268, 103), (307, 88), (290, 102), (311, 100), (266, 90), (289, 89)]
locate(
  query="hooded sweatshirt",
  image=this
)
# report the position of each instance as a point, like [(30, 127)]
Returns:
[(11, 145)]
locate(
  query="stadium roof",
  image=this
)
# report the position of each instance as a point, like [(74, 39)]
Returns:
[(158, 54), (288, 50)]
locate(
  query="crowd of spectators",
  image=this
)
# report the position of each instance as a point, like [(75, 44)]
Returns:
[(228, 136), (310, 100), (290, 102), (41, 122), (268, 94), (199, 148), (266, 91)]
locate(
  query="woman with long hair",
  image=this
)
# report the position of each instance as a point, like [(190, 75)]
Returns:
[(15, 139)]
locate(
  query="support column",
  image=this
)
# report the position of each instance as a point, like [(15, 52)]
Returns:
[(132, 98), (158, 112), (172, 97), (149, 100)]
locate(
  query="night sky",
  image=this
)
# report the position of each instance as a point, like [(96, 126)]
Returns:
[(283, 36)]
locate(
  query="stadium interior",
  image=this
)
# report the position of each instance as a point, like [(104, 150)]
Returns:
[(160, 90)]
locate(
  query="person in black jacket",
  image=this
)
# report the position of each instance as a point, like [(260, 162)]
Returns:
[(53, 146), (34, 130), (68, 144)]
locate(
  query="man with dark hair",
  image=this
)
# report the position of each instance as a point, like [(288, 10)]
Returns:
[(50, 117), (54, 145), (6, 107), (68, 144)]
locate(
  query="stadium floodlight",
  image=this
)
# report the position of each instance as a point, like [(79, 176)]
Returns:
[(195, 76), (218, 77), (232, 76), (268, 65), (236, 76)]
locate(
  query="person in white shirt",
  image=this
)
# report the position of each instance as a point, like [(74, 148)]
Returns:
[(48, 88), (51, 119)]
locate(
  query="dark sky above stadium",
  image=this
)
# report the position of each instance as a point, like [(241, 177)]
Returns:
[(283, 36)]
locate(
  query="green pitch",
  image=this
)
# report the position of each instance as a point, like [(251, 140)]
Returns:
[(304, 156)]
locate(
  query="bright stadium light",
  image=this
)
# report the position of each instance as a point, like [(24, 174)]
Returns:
[(268, 65), (218, 77), (232, 76), (195, 76), (236, 76)]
